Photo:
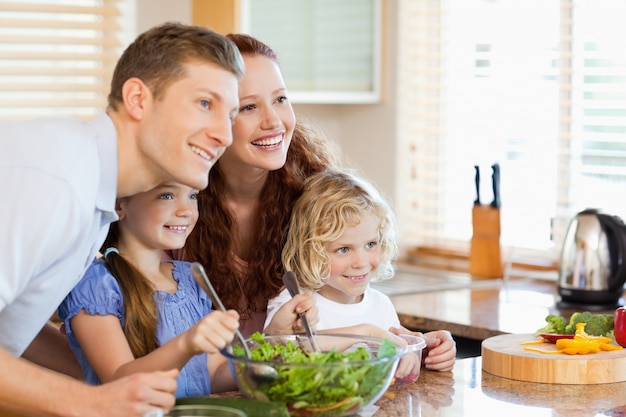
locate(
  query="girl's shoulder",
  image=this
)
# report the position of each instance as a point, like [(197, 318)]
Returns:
[(97, 277), (98, 292)]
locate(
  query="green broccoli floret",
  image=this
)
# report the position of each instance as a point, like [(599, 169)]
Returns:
[(598, 324), (601, 325), (555, 324), (577, 317)]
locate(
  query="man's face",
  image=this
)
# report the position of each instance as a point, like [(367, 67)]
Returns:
[(190, 126)]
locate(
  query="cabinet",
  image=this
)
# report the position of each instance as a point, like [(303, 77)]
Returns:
[(329, 51)]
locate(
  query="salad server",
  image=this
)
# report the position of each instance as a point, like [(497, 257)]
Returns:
[(258, 372), (289, 279)]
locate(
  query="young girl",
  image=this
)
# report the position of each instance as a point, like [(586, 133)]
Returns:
[(341, 237), (133, 312)]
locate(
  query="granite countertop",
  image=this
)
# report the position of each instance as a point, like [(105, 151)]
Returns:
[(478, 309), (473, 308), (468, 391)]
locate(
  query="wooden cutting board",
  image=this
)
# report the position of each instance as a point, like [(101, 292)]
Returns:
[(505, 356)]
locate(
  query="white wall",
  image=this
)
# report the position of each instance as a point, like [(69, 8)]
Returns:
[(152, 12), (366, 133)]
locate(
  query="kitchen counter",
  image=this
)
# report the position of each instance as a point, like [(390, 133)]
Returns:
[(468, 391), (478, 309), (474, 308)]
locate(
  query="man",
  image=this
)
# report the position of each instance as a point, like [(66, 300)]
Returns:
[(173, 96)]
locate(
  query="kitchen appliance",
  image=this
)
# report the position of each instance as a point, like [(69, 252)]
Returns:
[(592, 271)]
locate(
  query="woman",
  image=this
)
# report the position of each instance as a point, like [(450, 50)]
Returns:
[(245, 210)]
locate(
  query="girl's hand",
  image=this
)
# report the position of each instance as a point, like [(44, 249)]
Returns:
[(287, 319), (440, 351), (214, 332), (408, 368)]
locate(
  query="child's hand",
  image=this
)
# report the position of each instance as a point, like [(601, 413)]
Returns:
[(440, 351), (287, 321), (408, 367), (212, 333)]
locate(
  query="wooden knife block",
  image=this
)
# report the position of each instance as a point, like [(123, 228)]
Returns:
[(485, 260)]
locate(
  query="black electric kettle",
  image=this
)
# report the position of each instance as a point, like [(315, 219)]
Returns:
[(592, 271)]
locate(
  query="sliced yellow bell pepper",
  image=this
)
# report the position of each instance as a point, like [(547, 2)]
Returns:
[(581, 344)]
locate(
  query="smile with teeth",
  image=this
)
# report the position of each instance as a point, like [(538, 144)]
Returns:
[(269, 141), (356, 277), (201, 152), (177, 228)]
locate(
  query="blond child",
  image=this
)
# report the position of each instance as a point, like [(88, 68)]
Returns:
[(343, 236)]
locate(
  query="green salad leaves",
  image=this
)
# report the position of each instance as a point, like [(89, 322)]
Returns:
[(346, 385)]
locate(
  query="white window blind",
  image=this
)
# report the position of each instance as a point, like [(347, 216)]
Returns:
[(329, 50), (538, 86), (57, 57)]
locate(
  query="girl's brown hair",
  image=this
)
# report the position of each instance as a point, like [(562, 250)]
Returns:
[(140, 318)]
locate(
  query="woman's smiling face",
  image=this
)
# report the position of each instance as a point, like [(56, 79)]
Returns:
[(263, 128)]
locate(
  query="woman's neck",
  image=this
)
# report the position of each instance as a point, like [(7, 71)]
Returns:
[(243, 183), (242, 194)]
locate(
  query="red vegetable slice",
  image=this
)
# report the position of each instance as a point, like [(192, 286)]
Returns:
[(620, 326), (553, 337)]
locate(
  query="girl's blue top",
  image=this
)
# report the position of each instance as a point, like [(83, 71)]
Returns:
[(99, 293)]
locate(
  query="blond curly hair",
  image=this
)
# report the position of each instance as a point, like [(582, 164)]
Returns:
[(333, 200)]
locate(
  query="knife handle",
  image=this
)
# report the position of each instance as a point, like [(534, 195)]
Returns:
[(495, 185), (477, 184)]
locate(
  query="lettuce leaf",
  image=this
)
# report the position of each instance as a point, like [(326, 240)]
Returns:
[(340, 387)]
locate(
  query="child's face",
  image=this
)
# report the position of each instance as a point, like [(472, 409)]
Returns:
[(161, 218), (354, 259)]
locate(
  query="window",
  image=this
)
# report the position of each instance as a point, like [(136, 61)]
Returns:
[(538, 86), (57, 56), (329, 50)]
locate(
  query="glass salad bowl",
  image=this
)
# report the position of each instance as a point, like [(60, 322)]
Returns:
[(350, 373)]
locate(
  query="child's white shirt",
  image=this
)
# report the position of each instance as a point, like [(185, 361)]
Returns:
[(375, 308)]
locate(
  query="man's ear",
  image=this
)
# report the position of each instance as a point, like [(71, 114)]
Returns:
[(135, 94)]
